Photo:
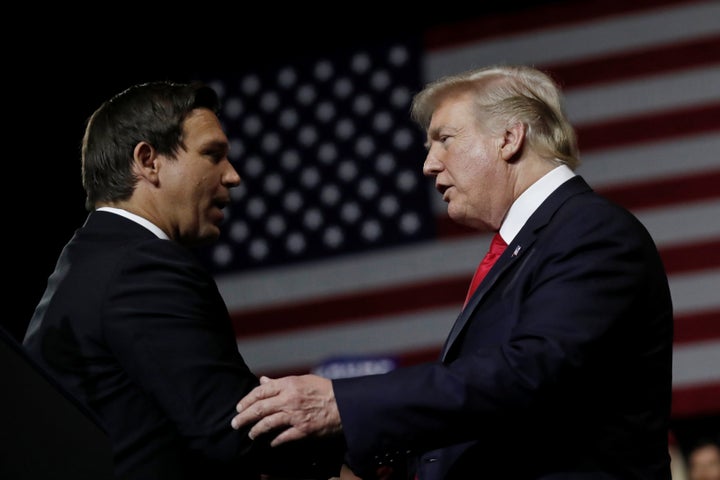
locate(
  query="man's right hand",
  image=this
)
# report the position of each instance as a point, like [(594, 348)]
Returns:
[(296, 406)]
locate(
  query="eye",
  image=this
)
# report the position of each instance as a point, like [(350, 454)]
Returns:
[(216, 151), (217, 156), (444, 140)]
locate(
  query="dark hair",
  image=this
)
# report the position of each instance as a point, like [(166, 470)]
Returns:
[(151, 112), (704, 441)]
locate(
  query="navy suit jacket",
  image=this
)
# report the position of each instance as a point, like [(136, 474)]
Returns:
[(136, 329), (559, 367)]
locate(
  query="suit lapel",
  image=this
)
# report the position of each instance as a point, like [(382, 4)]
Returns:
[(512, 254), (520, 245)]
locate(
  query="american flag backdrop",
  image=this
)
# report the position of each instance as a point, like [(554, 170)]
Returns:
[(337, 245)]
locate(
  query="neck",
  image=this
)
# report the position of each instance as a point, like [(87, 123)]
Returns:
[(530, 170)]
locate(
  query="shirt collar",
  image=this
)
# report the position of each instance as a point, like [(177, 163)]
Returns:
[(529, 201), (137, 219)]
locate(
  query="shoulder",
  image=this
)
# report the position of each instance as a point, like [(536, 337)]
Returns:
[(124, 252), (157, 255), (577, 205)]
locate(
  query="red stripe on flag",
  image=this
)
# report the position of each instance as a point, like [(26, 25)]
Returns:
[(414, 297), (688, 329), (637, 196), (639, 63), (654, 193), (448, 228), (696, 400), (653, 126), (697, 326), (345, 308), (694, 256), (532, 19), (420, 356)]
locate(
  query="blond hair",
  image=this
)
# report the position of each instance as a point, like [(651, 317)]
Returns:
[(510, 94)]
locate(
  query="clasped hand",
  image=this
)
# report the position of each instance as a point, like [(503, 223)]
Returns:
[(295, 406)]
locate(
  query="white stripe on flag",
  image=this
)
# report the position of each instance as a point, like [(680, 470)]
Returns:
[(650, 161), (645, 95), (426, 261), (378, 336), (696, 363), (582, 40)]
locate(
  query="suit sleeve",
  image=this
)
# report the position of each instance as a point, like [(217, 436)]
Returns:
[(170, 329), (562, 320)]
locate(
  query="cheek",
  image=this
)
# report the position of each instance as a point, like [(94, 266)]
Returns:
[(197, 184), (474, 172), (178, 179)]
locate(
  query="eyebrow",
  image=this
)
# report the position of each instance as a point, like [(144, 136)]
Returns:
[(431, 133), (215, 145)]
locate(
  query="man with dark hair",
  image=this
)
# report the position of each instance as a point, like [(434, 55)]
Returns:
[(131, 323)]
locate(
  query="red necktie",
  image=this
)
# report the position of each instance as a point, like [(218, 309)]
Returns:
[(497, 247)]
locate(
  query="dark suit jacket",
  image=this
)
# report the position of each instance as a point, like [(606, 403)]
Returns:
[(559, 367), (136, 329)]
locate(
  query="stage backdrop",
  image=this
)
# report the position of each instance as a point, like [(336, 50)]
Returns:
[(336, 245)]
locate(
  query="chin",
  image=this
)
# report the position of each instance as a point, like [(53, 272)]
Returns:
[(462, 220), (455, 215), (211, 235), (207, 236)]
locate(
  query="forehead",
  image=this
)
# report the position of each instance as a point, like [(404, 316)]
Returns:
[(707, 452), (452, 108), (203, 126)]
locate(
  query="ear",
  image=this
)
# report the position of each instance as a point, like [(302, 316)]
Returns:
[(145, 159), (512, 141)]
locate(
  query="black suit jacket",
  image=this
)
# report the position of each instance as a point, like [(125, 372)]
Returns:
[(559, 367), (136, 329)]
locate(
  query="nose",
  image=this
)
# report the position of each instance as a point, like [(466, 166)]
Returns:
[(432, 166), (231, 177)]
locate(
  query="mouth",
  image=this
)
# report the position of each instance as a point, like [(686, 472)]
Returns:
[(443, 189), (220, 204)]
